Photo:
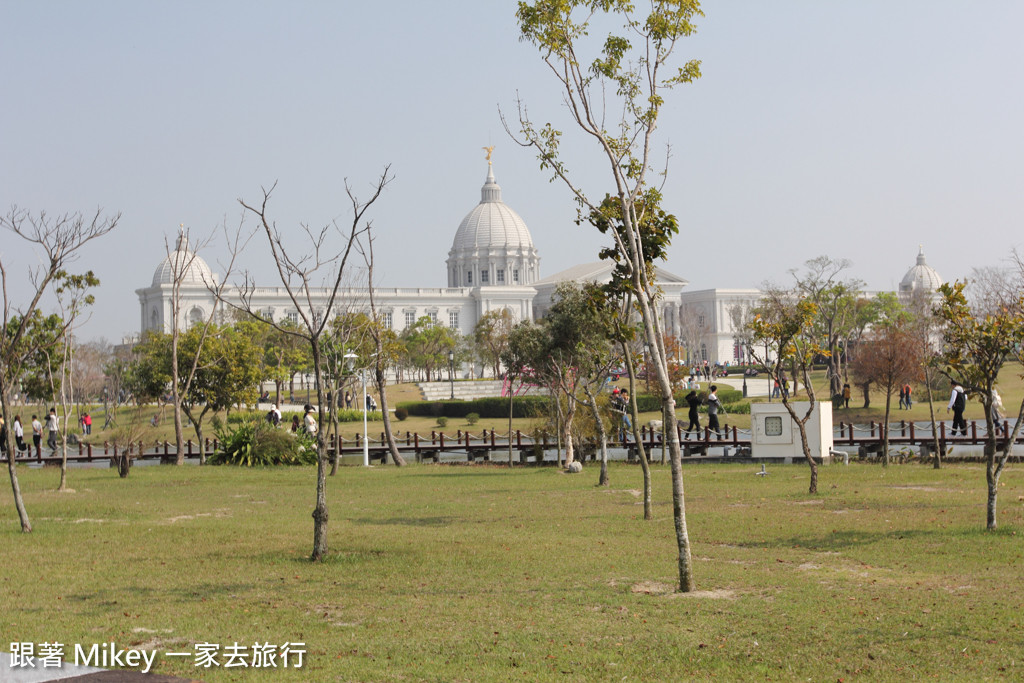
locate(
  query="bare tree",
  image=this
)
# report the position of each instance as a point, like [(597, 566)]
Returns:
[(182, 271), (299, 274), (384, 355), (57, 241)]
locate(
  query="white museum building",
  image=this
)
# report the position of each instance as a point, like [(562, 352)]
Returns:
[(492, 265)]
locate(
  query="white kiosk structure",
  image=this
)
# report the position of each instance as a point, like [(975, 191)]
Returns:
[(775, 435)]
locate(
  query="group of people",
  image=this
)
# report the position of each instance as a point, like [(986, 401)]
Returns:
[(308, 423), (620, 404), (905, 400), (694, 401), (52, 427)]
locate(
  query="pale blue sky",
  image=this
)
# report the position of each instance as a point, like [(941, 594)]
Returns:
[(853, 129)]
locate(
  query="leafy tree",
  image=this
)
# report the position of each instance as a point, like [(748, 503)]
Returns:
[(490, 336), (976, 344), (428, 344), (630, 74), (889, 358), (525, 343), (227, 373), (835, 303), (148, 375), (785, 326)]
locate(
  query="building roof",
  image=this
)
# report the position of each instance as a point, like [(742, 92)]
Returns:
[(491, 223), (921, 277), (601, 271), (182, 260)]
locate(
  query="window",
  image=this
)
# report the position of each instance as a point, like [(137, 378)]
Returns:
[(469, 277), (483, 277), (387, 320), (501, 276), (700, 320), (453, 320), (515, 275), (433, 317), (772, 425), (410, 318), (293, 317)]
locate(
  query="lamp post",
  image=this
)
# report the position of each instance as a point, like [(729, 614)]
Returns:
[(451, 372), (739, 352), (350, 359)]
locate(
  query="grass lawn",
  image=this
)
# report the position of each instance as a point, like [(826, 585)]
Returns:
[(479, 573)]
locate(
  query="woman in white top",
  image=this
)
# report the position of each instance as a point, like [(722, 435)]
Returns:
[(310, 422)]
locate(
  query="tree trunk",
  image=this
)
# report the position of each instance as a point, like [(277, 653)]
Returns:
[(937, 463), (510, 404), (396, 457), (645, 465), (602, 434), (866, 388), (320, 513), (885, 428), (813, 488)]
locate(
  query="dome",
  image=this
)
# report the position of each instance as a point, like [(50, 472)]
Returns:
[(921, 277), (492, 223), (196, 272), (492, 246)]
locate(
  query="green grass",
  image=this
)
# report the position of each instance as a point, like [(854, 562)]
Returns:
[(480, 573)]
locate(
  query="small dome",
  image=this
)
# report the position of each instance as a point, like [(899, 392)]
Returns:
[(196, 272), (921, 277), (491, 223)]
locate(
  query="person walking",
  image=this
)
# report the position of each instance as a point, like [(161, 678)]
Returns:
[(903, 397), (19, 435), (51, 428), (37, 436), (906, 398), (714, 405), (958, 402), (88, 424), (846, 395), (693, 401)]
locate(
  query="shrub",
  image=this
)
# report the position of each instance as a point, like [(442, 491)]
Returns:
[(473, 418), (255, 442), (442, 421), (401, 413)]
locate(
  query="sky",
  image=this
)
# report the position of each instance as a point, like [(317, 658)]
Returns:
[(856, 130)]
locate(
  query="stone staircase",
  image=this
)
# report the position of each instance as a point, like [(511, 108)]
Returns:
[(465, 390)]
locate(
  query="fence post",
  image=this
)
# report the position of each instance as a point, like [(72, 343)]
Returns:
[(974, 430)]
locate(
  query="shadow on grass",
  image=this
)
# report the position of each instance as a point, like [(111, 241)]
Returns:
[(855, 538), (405, 521)]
